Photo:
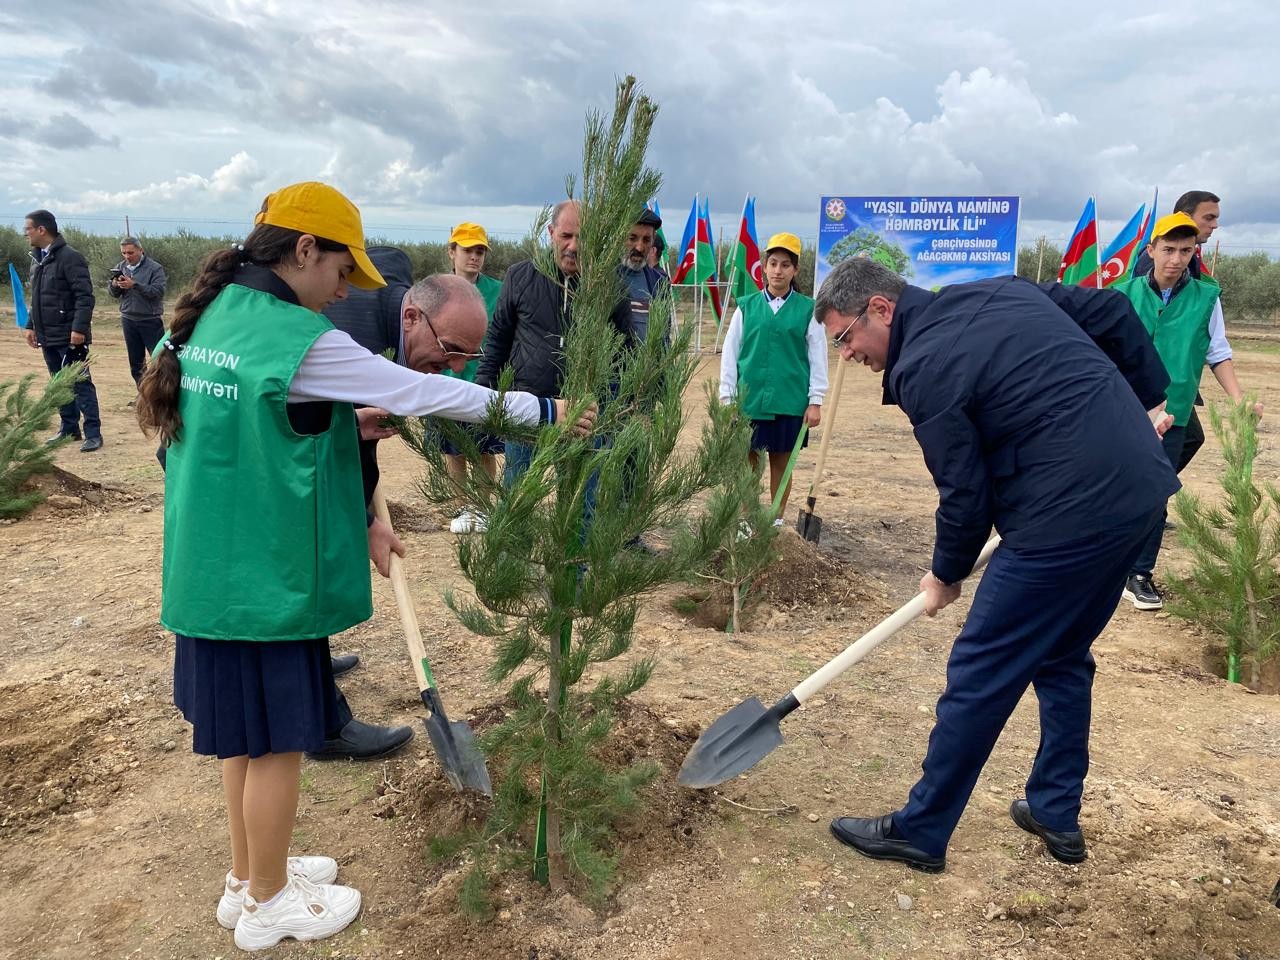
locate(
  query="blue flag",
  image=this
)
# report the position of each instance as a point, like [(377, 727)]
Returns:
[(19, 301)]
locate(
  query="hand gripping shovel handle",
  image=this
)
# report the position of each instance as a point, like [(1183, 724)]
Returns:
[(408, 617), (874, 637)]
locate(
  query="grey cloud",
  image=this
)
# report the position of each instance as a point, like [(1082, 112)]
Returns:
[(61, 132)]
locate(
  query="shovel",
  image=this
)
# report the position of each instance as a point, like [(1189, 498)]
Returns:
[(748, 733), (809, 526), (454, 743)]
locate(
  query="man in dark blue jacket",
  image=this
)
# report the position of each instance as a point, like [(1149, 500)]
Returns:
[(1034, 407)]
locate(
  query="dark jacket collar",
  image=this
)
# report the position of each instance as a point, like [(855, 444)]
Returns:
[(265, 281), (39, 256), (910, 302), (1177, 287)]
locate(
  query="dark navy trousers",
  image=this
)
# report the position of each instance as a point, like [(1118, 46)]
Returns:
[(1034, 617)]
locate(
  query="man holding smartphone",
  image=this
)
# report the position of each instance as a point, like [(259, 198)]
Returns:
[(138, 282)]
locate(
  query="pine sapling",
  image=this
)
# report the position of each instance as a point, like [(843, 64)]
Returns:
[(23, 454), (1233, 588), (556, 573)]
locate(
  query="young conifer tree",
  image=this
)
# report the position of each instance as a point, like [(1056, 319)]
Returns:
[(1233, 588), (24, 454), (557, 579)]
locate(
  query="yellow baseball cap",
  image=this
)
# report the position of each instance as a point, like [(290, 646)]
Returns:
[(1172, 222), (320, 210), (469, 235), (783, 241)]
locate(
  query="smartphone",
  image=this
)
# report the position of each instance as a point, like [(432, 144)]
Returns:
[(116, 273)]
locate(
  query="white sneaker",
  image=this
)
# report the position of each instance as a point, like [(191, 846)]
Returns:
[(303, 911), (315, 869), (779, 522), (469, 522)]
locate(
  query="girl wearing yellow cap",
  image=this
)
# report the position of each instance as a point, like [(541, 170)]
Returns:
[(468, 249), (775, 361), (265, 534)]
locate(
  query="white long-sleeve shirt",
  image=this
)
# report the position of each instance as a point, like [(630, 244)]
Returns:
[(1219, 348), (338, 368), (815, 341)]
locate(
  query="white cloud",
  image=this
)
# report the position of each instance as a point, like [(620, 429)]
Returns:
[(234, 179)]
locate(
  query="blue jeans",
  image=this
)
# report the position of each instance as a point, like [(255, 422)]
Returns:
[(84, 401), (1035, 614), (518, 458), (1146, 561)]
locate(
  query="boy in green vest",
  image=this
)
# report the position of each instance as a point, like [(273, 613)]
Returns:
[(468, 248), (777, 353), (1175, 307)]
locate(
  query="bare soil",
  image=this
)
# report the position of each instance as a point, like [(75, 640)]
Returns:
[(112, 841)]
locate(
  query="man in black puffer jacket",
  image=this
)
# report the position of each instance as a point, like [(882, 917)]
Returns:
[(530, 321), (61, 317)]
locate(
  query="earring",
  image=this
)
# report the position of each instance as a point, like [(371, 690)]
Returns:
[(301, 265)]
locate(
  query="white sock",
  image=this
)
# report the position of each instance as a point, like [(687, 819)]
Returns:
[(272, 901)]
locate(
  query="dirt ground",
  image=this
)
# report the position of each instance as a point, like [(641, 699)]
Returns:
[(112, 836)]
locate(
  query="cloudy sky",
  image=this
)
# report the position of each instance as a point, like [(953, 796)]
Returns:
[(186, 114)]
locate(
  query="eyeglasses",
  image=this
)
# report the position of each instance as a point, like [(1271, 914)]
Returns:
[(838, 341), (448, 354)]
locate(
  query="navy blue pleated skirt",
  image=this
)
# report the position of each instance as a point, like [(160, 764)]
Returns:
[(777, 435), (251, 698)]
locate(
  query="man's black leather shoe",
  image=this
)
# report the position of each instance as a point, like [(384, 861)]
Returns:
[(363, 741), (61, 436), (90, 445), (344, 664), (1066, 847), (871, 837)]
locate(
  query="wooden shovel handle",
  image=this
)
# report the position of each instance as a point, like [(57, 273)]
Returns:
[(829, 415), (408, 618)]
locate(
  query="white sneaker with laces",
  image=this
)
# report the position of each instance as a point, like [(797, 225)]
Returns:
[(303, 910), (464, 522), (315, 869), (479, 523)]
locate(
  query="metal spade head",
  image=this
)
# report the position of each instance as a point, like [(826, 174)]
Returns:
[(809, 526), (455, 746), (733, 744)]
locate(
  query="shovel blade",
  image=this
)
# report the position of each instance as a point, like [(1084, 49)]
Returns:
[(809, 526), (732, 745), (455, 747)]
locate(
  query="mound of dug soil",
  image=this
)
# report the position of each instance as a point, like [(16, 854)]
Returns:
[(802, 577), (530, 920), (64, 492)]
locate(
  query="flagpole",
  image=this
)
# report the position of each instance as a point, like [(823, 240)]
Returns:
[(1040, 265), (1097, 271), (1214, 267), (733, 272)]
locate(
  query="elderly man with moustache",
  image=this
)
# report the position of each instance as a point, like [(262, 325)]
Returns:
[(1034, 409)]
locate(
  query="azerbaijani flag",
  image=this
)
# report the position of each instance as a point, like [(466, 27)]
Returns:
[(1149, 224), (1120, 255), (19, 301), (707, 260), (747, 275), (1080, 262), (687, 255)]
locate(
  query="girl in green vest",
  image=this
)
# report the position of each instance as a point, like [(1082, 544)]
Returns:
[(468, 248), (265, 533), (775, 361)]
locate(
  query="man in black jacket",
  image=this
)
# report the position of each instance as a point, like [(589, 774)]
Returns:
[(138, 282), (61, 321), (1034, 408), (530, 321)]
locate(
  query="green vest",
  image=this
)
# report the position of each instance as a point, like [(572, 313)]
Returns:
[(773, 363), (1180, 331), (489, 289), (264, 532)]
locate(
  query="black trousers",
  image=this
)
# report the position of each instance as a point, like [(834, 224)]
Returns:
[(84, 401), (1192, 441), (141, 334)]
